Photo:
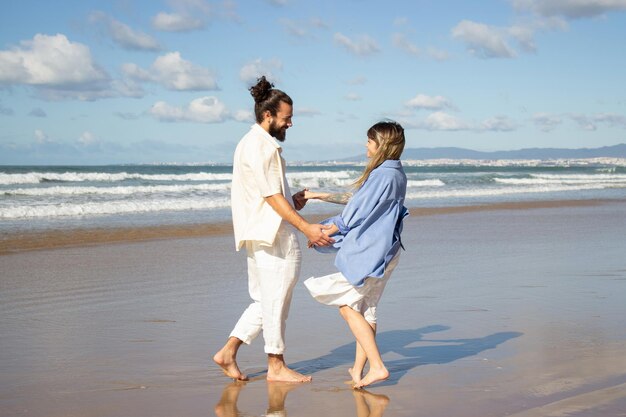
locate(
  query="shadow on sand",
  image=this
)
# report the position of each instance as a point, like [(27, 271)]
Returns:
[(398, 341)]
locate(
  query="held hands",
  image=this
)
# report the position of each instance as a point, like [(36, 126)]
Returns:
[(319, 235), (328, 230)]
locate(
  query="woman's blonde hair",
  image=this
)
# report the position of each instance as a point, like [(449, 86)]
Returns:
[(389, 136)]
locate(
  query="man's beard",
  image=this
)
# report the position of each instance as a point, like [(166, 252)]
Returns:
[(279, 133)]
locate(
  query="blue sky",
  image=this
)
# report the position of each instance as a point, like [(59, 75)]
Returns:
[(99, 82)]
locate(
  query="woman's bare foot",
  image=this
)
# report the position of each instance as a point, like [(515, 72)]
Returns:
[(374, 375), (225, 358), (356, 375)]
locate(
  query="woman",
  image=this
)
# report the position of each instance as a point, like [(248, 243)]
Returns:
[(367, 245)]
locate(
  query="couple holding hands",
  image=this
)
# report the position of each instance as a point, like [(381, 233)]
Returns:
[(365, 239)]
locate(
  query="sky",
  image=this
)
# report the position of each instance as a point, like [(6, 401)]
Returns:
[(87, 82)]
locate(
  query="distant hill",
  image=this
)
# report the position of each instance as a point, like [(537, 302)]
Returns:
[(616, 151)]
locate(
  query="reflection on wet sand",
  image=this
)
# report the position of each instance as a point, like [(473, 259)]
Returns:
[(227, 406), (276, 396), (367, 404)]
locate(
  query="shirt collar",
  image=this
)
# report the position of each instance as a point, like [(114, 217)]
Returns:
[(391, 163), (266, 136)]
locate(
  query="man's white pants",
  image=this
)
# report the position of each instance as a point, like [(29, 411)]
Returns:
[(272, 275)]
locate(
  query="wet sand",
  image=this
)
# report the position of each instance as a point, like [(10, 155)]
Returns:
[(64, 238), (492, 311)]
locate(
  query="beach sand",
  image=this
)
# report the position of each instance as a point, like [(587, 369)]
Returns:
[(512, 310)]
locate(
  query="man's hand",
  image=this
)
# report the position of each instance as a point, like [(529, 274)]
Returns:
[(299, 199), (318, 235)]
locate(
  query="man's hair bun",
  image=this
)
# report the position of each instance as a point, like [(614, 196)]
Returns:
[(261, 91)]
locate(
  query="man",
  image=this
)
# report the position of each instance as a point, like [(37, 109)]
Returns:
[(264, 217)]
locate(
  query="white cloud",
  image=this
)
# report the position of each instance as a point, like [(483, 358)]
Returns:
[(400, 41), (195, 6), (128, 88), (51, 61), (499, 124), (87, 138), (612, 119), (360, 80), (444, 121), (547, 122), (303, 29), (591, 122), (174, 73), (363, 46), (353, 97), (188, 15), (176, 22), (343, 117), (126, 115), (229, 11), (178, 74), (571, 9), (438, 54), (400, 21), (201, 110), (166, 113), (294, 28), (525, 36), (135, 72), (316, 22), (483, 41), (422, 101), (123, 35), (40, 136), (57, 68), (243, 116), (251, 71), (306, 112)]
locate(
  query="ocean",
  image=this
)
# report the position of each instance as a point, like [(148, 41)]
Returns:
[(34, 198)]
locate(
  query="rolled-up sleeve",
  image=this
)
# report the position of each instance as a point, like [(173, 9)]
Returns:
[(266, 171)]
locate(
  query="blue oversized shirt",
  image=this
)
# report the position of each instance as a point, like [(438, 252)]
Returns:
[(370, 225)]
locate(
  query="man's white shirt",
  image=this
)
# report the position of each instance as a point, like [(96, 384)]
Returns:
[(258, 172)]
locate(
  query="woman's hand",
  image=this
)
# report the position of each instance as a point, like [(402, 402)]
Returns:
[(311, 195)]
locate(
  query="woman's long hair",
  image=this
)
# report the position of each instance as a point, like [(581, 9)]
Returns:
[(389, 136)]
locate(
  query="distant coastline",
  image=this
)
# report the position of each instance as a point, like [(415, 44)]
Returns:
[(609, 153)]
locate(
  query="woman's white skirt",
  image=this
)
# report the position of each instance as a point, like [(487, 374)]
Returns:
[(335, 290)]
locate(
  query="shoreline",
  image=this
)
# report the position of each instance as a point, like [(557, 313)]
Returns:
[(511, 309), (56, 238)]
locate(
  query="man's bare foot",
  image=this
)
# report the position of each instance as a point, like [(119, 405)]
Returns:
[(287, 375), (226, 360), (356, 375), (374, 375), (278, 371)]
